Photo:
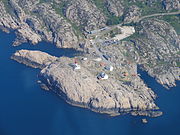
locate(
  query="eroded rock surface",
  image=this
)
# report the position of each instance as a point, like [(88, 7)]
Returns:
[(115, 7), (35, 59), (132, 14), (171, 4), (68, 23), (85, 14), (155, 47), (82, 88), (37, 22), (158, 49)]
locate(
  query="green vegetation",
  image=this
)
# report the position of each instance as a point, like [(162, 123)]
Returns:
[(161, 62), (7, 6), (59, 10), (45, 1), (133, 36), (5, 1), (174, 20), (114, 32), (146, 9), (136, 35), (112, 20), (178, 64)]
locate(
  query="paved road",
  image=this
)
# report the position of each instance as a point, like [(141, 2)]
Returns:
[(158, 14), (141, 18), (100, 53)]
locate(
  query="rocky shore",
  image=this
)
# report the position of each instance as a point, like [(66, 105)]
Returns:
[(82, 88), (86, 25)]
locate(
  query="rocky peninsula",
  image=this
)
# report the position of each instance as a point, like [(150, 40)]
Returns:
[(82, 88)]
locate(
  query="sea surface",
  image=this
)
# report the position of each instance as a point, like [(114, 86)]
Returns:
[(26, 109)]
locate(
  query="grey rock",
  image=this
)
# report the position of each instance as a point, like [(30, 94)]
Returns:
[(82, 88), (132, 14), (158, 49), (85, 14), (63, 35), (171, 4), (37, 22), (115, 7), (6, 20), (35, 59)]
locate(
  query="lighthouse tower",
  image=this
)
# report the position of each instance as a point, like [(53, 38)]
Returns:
[(76, 66)]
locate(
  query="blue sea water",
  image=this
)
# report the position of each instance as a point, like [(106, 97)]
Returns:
[(26, 109)]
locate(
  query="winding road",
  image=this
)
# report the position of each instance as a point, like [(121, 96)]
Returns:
[(158, 14), (114, 26)]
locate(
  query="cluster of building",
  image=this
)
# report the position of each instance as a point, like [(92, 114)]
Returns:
[(110, 42), (101, 75), (126, 31)]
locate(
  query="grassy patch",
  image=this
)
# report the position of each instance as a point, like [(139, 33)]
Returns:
[(146, 9), (60, 10), (136, 35), (112, 20), (178, 64), (174, 20), (178, 53), (7, 6)]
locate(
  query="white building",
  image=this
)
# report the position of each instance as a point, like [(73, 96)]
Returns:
[(102, 76), (97, 59), (84, 59), (76, 66), (109, 68)]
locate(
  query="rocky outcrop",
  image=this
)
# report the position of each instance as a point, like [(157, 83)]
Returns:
[(37, 22), (85, 14), (63, 34), (66, 22), (82, 88), (6, 20), (132, 14), (115, 7), (155, 47), (35, 59), (158, 49), (171, 4)]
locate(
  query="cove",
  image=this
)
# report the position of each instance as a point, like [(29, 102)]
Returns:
[(26, 109)]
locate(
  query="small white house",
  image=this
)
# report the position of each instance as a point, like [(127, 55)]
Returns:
[(97, 59), (76, 66), (84, 59), (102, 76), (109, 68)]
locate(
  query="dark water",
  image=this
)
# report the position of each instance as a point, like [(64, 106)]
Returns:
[(25, 109)]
